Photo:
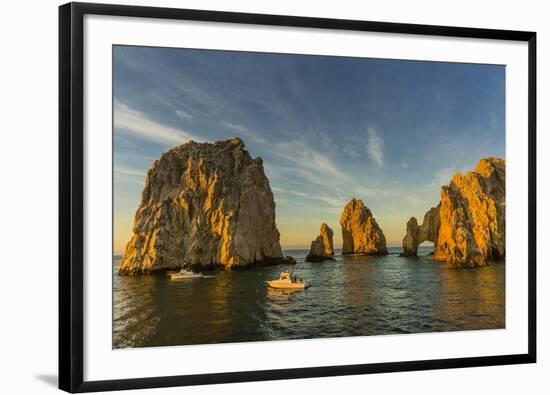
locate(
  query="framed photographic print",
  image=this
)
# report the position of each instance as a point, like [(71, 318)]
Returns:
[(253, 197)]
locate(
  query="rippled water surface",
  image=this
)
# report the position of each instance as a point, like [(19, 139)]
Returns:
[(352, 296)]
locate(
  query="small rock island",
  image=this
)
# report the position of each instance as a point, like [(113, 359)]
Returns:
[(206, 205), (360, 231), (322, 248), (468, 225)]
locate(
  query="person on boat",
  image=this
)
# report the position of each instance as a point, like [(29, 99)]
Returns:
[(186, 268), (285, 275), (287, 280)]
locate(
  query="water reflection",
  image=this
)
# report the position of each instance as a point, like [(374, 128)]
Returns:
[(281, 295), (470, 299), (352, 296), (135, 314)]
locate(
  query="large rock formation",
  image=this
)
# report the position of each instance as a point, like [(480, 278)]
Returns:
[(468, 225), (322, 248), (206, 206), (360, 232)]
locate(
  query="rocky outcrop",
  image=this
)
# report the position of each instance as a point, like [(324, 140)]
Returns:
[(468, 226), (322, 247), (473, 216), (419, 234), (207, 206), (360, 232)]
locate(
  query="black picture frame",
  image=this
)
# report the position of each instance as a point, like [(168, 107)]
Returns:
[(71, 204)]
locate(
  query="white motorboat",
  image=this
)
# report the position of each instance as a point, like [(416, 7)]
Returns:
[(286, 281), (184, 273)]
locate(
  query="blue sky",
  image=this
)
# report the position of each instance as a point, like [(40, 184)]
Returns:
[(389, 132)]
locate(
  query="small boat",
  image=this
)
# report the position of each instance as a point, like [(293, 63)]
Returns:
[(184, 273), (286, 281)]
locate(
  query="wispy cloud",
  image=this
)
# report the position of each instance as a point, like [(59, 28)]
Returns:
[(375, 146), (183, 114), (334, 203), (234, 126), (350, 152), (244, 131), (443, 176), (312, 166), (415, 200), (289, 192), (141, 125), (129, 175), (362, 192), (313, 163)]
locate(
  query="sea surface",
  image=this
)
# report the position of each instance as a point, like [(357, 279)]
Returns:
[(351, 296)]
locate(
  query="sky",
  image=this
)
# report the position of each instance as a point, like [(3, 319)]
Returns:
[(389, 132)]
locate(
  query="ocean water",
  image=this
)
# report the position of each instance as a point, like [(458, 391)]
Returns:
[(351, 296)]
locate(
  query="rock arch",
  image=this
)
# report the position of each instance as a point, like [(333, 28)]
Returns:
[(468, 226), (416, 235)]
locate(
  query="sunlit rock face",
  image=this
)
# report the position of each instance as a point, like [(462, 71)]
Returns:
[(469, 222), (360, 231), (322, 247), (473, 216), (206, 205)]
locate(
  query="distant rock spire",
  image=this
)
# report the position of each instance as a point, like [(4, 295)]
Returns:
[(322, 248), (360, 231)]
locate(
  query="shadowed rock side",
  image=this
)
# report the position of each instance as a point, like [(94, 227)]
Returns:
[(470, 229), (206, 205), (360, 232), (322, 248)]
